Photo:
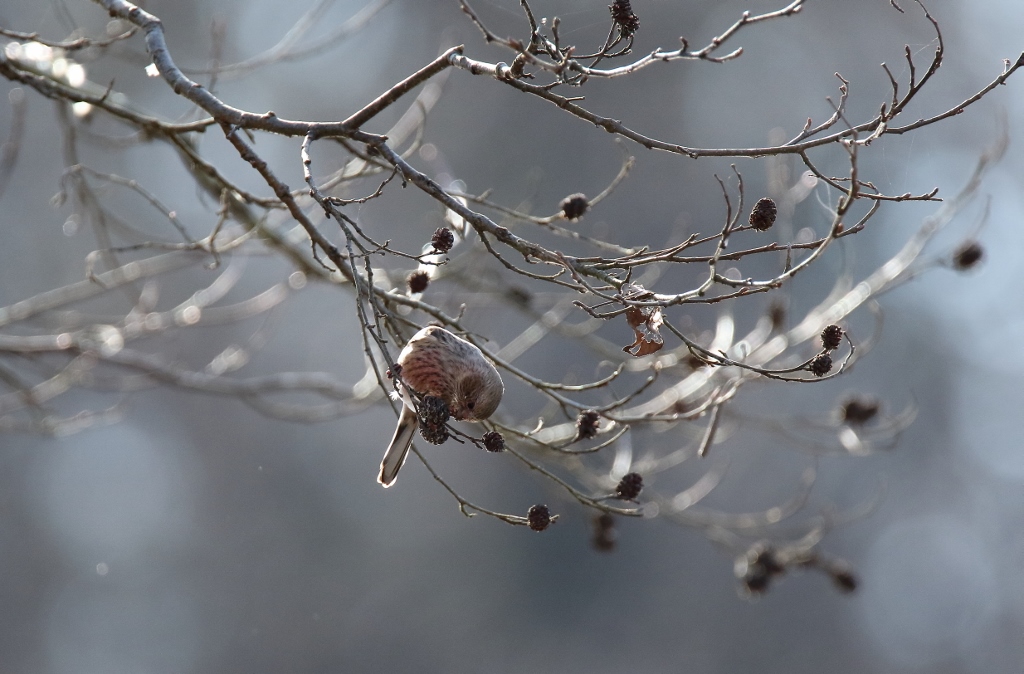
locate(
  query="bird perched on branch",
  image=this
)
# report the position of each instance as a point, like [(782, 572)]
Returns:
[(435, 363)]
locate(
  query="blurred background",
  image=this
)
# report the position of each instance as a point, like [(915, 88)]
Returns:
[(198, 536)]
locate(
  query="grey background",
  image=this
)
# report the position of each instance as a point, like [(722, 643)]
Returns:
[(197, 536)]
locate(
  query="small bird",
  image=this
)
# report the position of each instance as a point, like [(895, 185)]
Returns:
[(437, 363)]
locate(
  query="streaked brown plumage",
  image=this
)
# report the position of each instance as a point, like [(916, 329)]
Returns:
[(437, 363)]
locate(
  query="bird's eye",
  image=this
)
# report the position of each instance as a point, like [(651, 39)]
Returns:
[(470, 404)]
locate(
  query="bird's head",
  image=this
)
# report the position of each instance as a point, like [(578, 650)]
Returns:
[(477, 395)]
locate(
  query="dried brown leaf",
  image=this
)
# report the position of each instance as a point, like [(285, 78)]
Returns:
[(646, 323)]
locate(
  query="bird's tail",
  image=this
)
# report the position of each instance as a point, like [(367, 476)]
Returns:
[(398, 450)]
